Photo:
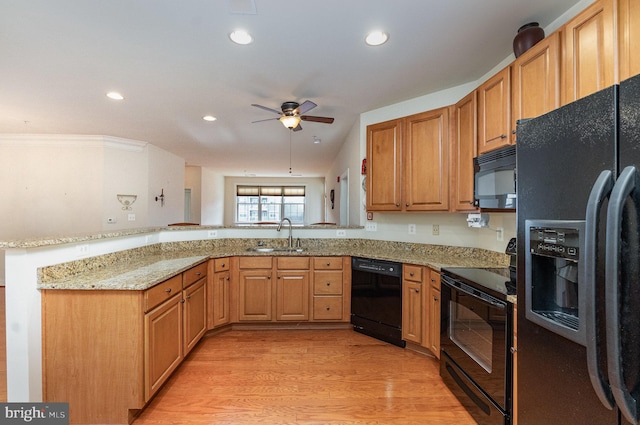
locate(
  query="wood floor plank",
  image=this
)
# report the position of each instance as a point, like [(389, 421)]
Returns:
[(304, 377)]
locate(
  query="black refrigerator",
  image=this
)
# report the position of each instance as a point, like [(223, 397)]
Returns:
[(578, 261)]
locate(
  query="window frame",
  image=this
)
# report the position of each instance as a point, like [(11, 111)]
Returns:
[(262, 193)]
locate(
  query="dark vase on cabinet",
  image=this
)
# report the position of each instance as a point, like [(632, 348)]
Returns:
[(528, 35)]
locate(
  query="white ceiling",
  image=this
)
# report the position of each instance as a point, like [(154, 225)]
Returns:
[(174, 63)]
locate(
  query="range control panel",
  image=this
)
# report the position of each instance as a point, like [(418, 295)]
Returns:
[(555, 242)]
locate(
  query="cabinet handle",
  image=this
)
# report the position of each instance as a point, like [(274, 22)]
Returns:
[(269, 277), (328, 308), (397, 205), (223, 264), (502, 136), (406, 205), (435, 298), (328, 264), (513, 350), (328, 283), (188, 297), (228, 278), (278, 277), (411, 274), (182, 301), (198, 273), (167, 290), (417, 291)]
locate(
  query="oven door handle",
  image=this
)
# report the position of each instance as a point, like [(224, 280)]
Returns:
[(459, 286)]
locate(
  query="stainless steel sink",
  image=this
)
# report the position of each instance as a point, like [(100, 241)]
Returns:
[(272, 249)]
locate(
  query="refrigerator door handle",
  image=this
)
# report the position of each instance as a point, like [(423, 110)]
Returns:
[(599, 192), (624, 186)]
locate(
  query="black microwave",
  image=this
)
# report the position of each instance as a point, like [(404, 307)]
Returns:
[(495, 179)]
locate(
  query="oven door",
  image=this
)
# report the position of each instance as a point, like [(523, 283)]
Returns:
[(476, 336)]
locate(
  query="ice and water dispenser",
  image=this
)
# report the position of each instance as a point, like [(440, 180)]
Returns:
[(555, 298)]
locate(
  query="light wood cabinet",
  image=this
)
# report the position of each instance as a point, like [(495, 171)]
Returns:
[(331, 290), (494, 112), (434, 313), (195, 313), (384, 166), (588, 52), (425, 171), (255, 295), (163, 343), (408, 163), (628, 38), (413, 311), (536, 81), (292, 289), (464, 147), (219, 293)]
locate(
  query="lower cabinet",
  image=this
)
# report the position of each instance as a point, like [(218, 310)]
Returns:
[(292, 289), (121, 343), (219, 293), (421, 307), (331, 289), (434, 313), (254, 289)]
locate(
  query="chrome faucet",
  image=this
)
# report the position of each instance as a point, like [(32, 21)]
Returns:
[(290, 230)]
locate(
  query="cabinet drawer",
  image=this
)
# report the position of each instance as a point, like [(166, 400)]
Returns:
[(162, 292), (194, 274), (327, 263), (327, 283), (221, 264), (293, 263), (412, 273), (255, 262), (327, 308)]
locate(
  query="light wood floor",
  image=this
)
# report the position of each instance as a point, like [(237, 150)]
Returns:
[(303, 377)]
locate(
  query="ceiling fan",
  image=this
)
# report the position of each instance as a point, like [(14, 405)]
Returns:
[(292, 114)]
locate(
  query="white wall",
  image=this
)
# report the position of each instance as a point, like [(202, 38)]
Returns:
[(212, 197), (193, 181), (166, 175)]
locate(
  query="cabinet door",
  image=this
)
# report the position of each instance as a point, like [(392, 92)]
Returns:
[(412, 311), (384, 164), (434, 311), (220, 298), (588, 52), (195, 314), (629, 37), (463, 149), (254, 296), (494, 112), (536, 81), (426, 161), (292, 295), (163, 343)]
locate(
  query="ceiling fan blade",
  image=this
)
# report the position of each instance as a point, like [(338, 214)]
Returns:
[(297, 128), (306, 106), (268, 119), (267, 109), (325, 120)]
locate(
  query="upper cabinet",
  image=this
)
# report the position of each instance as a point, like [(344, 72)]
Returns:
[(407, 161), (384, 164), (463, 149), (535, 84), (426, 161), (588, 51), (628, 37), (494, 112)]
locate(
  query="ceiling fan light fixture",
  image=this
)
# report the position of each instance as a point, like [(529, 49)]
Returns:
[(290, 121), (376, 38), (241, 37)]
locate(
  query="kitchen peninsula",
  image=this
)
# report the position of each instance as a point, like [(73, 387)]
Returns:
[(137, 260)]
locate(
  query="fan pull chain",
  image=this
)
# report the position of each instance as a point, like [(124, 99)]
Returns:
[(290, 131)]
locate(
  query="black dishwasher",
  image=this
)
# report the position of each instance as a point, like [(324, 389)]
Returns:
[(376, 299)]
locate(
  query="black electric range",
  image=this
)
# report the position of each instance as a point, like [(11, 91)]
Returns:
[(497, 282)]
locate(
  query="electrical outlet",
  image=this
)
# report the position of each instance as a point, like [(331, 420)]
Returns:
[(412, 229), (371, 226), (500, 234), (131, 217), (435, 230), (82, 250), (212, 234), (112, 220), (341, 233)]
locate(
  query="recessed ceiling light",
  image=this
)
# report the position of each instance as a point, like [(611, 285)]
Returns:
[(241, 37), (209, 118), (376, 38), (115, 95)]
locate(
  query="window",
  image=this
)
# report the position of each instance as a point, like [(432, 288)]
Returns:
[(255, 204)]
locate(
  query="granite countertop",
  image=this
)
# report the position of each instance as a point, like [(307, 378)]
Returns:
[(142, 268)]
